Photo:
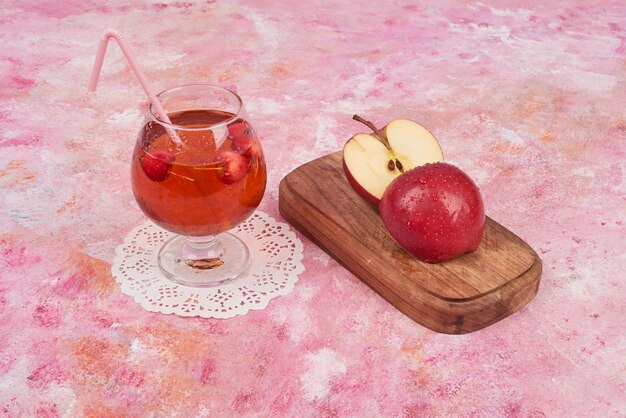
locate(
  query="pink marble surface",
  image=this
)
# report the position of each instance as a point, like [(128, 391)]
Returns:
[(528, 97)]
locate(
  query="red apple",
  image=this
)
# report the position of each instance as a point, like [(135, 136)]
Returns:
[(434, 211), (372, 161)]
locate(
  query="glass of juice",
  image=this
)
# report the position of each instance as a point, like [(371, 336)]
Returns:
[(199, 176)]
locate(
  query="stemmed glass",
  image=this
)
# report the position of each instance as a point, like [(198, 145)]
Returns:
[(199, 175)]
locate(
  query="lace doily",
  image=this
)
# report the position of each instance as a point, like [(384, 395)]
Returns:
[(276, 255)]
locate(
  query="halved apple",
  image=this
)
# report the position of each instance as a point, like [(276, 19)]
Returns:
[(372, 161)]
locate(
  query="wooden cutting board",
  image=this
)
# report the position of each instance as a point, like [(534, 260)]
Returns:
[(454, 297)]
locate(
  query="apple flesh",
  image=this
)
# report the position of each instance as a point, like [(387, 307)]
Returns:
[(372, 161), (365, 163), (434, 211)]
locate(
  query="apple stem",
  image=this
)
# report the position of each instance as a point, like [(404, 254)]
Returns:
[(381, 136)]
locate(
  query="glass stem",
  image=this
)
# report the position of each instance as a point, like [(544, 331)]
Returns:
[(202, 248)]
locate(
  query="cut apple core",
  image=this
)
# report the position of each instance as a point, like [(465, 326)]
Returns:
[(413, 144), (370, 166)]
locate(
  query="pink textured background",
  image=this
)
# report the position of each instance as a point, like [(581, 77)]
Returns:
[(528, 97)]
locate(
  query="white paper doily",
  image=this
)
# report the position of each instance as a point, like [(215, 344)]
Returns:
[(276, 255)]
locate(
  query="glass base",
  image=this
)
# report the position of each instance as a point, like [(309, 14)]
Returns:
[(204, 261)]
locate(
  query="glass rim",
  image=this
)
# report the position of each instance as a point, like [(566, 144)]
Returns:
[(236, 115)]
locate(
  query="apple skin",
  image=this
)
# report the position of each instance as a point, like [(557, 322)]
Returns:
[(235, 166), (434, 211), (368, 197)]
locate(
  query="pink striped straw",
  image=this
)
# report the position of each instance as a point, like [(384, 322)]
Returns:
[(97, 67)]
